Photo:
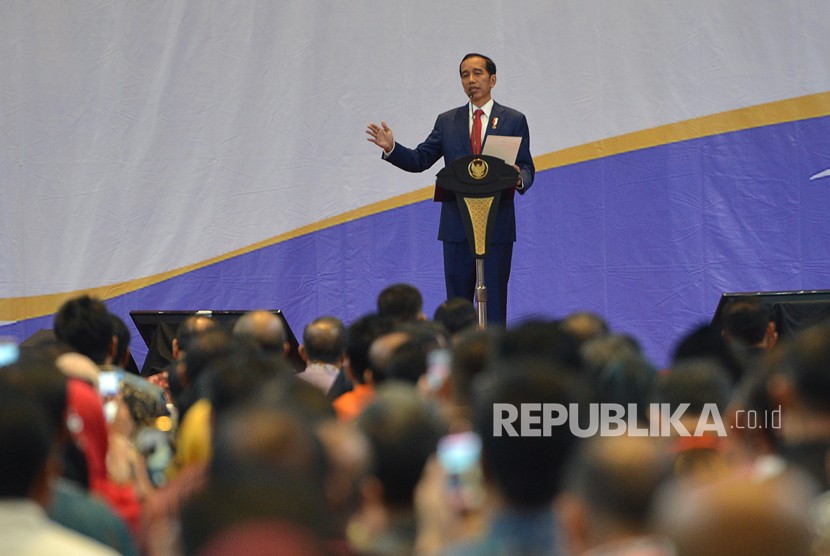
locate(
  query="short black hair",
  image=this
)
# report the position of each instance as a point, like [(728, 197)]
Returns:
[(403, 430), (541, 338), (706, 341), (527, 470), (120, 331), (400, 302), (36, 377), (470, 356), (456, 314), (696, 382), (410, 359), (25, 444), (204, 348), (747, 320), (84, 323), (489, 64), (359, 337)]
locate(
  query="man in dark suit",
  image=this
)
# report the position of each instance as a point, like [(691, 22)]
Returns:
[(456, 134)]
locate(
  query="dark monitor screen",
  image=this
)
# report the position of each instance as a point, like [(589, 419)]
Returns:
[(158, 328), (791, 310)]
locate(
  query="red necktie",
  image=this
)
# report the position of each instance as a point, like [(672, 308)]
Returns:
[(475, 138)]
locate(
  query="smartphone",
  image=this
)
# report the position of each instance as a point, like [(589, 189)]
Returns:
[(460, 456), (438, 368), (9, 352), (108, 382)]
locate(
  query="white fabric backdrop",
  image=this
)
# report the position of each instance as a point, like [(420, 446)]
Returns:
[(142, 136)]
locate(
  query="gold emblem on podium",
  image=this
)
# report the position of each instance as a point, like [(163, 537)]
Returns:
[(479, 211), (478, 169)]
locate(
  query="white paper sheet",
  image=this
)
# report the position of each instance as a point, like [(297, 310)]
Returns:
[(504, 147)]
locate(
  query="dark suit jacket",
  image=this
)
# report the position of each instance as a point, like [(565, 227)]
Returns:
[(451, 139)]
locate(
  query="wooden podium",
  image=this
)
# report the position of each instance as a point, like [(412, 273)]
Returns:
[(478, 182)]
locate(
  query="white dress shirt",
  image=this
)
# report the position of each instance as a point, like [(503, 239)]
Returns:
[(26, 531), (485, 118)]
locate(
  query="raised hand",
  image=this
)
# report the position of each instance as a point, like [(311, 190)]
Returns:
[(381, 135)]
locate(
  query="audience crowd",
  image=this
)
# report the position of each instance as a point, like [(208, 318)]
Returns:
[(399, 434)]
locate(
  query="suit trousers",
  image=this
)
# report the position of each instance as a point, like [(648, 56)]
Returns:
[(460, 275)]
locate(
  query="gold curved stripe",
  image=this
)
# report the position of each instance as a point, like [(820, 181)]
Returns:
[(789, 110), (20, 308), (782, 111)]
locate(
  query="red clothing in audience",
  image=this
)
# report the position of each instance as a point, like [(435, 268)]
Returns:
[(349, 405)]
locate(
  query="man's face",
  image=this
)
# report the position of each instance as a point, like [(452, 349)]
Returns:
[(476, 81)]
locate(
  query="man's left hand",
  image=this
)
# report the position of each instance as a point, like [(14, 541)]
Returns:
[(519, 184)]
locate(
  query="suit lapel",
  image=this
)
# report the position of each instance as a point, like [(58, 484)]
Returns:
[(462, 127), (497, 121)]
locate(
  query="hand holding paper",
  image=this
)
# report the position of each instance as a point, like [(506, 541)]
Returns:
[(503, 147)]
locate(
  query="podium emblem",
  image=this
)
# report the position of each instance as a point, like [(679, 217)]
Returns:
[(478, 169), (479, 210)]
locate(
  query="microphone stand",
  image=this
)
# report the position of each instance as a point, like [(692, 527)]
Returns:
[(481, 294)]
